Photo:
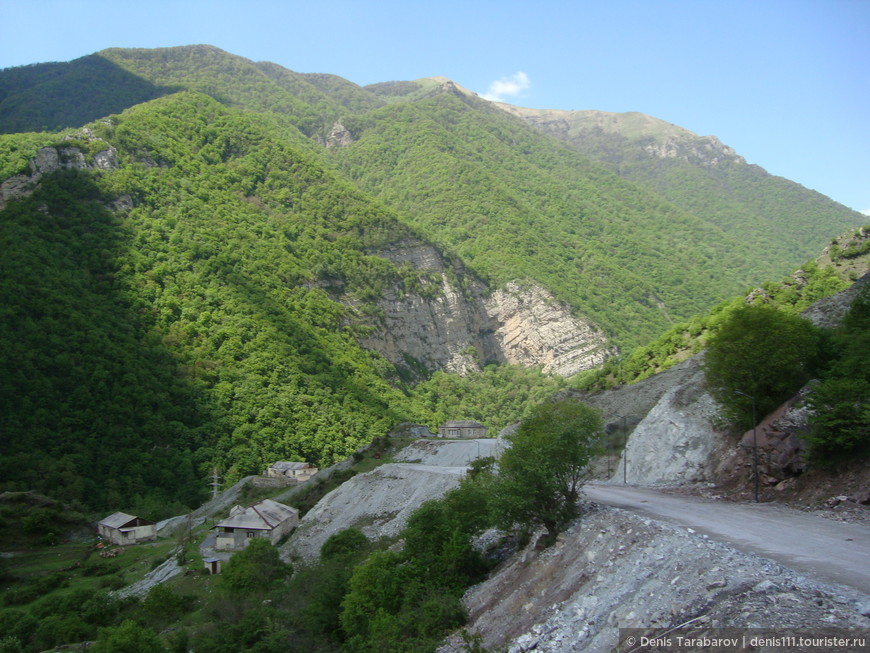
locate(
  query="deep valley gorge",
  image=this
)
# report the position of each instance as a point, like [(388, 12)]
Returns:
[(483, 326)]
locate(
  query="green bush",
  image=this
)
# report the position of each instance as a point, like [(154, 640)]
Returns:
[(841, 421), (163, 605), (840, 424), (350, 541), (129, 637), (254, 569)]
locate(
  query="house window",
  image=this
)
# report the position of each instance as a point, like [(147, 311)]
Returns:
[(251, 534)]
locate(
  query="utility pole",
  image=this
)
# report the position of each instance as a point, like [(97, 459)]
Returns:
[(215, 484)]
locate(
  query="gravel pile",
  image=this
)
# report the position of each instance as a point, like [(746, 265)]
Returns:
[(614, 569)]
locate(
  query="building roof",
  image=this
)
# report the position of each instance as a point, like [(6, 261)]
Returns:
[(122, 519), (462, 423), (283, 465), (263, 516)]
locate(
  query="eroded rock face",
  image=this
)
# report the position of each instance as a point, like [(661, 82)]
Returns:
[(614, 569), (781, 449), (706, 150), (459, 330), (48, 160), (534, 329), (676, 441)]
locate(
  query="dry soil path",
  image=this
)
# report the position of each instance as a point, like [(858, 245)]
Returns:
[(827, 550)]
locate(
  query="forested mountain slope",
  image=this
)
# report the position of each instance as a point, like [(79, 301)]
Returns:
[(514, 205), (188, 282), (184, 287), (702, 176), (631, 260), (180, 327)]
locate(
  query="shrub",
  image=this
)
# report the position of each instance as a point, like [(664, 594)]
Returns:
[(254, 569), (344, 543)]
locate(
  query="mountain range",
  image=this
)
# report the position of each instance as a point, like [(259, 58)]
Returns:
[(210, 261)]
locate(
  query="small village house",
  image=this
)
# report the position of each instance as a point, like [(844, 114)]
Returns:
[(295, 471), (121, 528), (268, 519), (213, 565), (462, 429)]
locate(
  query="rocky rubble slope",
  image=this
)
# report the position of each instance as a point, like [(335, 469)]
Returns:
[(379, 502), (614, 569)]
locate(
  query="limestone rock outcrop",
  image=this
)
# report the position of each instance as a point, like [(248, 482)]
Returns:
[(48, 160), (676, 441), (338, 136), (534, 329), (460, 329)]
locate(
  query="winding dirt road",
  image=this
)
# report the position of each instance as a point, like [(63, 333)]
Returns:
[(830, 551)]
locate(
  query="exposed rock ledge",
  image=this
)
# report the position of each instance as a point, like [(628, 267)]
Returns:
[(534, 329), (459, 331), (48, 160)]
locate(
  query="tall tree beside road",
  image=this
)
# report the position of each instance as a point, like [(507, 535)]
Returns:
[(541, 474), (762, 352)]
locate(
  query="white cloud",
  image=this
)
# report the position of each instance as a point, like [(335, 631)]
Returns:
[(500, 89), (866, 211)]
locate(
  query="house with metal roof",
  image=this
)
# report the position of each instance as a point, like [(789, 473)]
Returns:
[(296, 471), (268, 519), (461, 428), (121, 528)]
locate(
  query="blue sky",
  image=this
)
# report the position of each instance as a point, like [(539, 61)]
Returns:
[(785, 83)]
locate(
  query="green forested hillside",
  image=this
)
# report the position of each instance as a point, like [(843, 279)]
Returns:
[(195, 327), (513, 205), (48, 97), (776, 219), (183, 327), (191, 307)]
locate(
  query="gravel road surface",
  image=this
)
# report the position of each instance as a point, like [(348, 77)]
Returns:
[(828, 550)]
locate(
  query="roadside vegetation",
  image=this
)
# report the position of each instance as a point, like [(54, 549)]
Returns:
[(401, 594), (761, 357)]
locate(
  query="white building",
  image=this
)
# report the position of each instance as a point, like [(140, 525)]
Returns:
[(268, 519), (121, 528), (297, 471)]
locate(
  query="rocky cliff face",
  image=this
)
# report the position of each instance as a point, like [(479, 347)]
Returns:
[(676, 441), (659, 139), (461, 329), (50, 159)]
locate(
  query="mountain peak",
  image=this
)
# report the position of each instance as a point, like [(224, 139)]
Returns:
[(658, 138)]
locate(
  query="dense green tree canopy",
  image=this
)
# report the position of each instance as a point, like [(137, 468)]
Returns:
[(541, 474), (761, 352), (841, 400), (202, 304)]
